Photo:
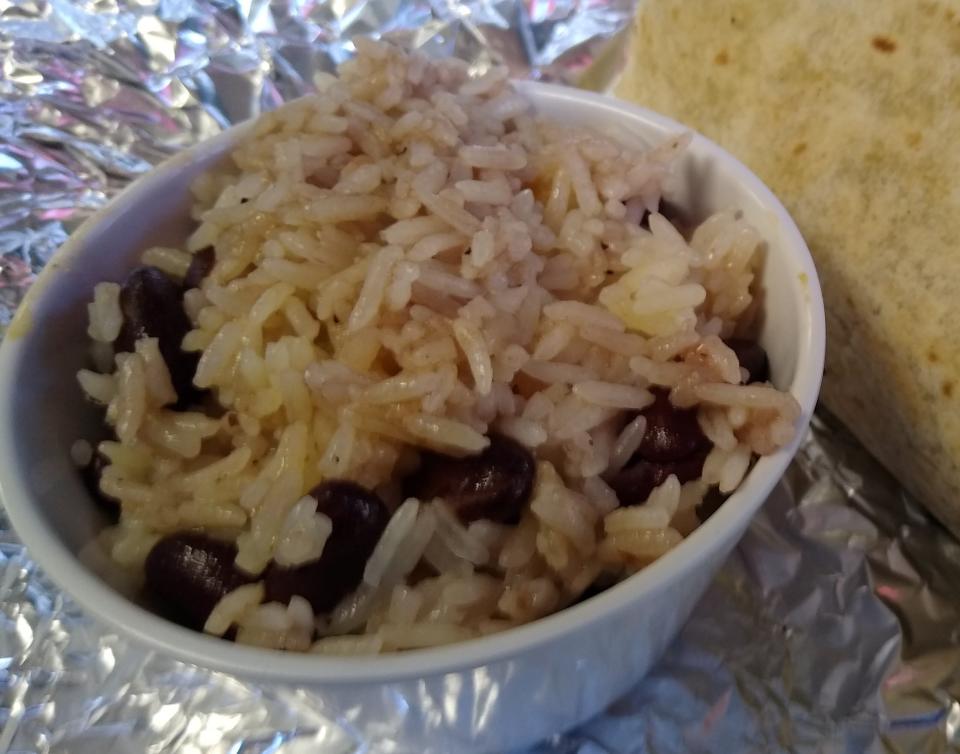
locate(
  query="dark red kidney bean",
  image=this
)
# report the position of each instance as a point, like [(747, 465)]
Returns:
[(151, 304), (199, 268), (91, 474), (672, 433), (189, 572), (634, 483), (752, 357), (152, 307), (494, 484), (359, 517)]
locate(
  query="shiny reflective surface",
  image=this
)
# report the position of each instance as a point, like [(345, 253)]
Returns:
[(796, 646)]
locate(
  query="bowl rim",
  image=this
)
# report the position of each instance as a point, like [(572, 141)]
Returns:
[(146, 628)]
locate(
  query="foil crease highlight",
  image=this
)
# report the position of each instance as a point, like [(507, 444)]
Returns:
[(833, 628)]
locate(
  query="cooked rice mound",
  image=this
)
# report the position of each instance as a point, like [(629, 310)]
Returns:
[(410, 260)]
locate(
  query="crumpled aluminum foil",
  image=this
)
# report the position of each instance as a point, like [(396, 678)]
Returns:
[(835, 626)]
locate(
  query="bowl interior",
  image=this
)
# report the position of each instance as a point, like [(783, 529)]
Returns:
[(42, 410)]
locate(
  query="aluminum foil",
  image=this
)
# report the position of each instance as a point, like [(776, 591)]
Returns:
[(835, 626)]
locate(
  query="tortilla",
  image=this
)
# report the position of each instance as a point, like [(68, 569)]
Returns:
[(850, 111)]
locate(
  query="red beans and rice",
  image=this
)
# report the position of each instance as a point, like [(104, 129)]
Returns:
[(428, 368)]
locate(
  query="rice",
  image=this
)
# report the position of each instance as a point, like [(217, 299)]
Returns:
[(101, 388), (130, 402), (474, 348), (613, 395), (459, 541), (557, 372), (445, 435), (231, 609), (374, 286), (156, 375), (104, 313), (411, 266), (400, 527), (496, 158), (172, 261), (430, 246), (304, 534)]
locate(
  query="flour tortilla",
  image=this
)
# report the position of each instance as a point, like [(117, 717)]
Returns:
[(850, 111)]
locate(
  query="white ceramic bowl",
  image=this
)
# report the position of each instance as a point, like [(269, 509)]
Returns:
[(488, 694)]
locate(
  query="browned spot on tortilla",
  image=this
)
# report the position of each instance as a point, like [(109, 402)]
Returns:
[(722, 58), (884, 44), (947, 388), (914, 138), (932, 356), (800, 147)]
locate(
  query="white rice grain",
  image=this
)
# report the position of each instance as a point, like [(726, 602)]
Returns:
[(734, 469), (552, 372), (374, 287), (583, 315), (627, 442), (159, 387), (613, 395), (131, 399), (303, 535), (529, 433), (174, 262), (398, 529), (485, 192), (496, 158), (429, 246), (600, 494), (408, 232), (749, 396), (104, 313), (219, 355), (445, 435), (338, 209), (457, 538), (101, 388), (474, 348), (232, 607)]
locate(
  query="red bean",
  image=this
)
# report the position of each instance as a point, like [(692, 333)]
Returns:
[(189, 572), (359, 517), (494, 484), (152, 307), (672, 433), (634, 483), (672, 444)]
